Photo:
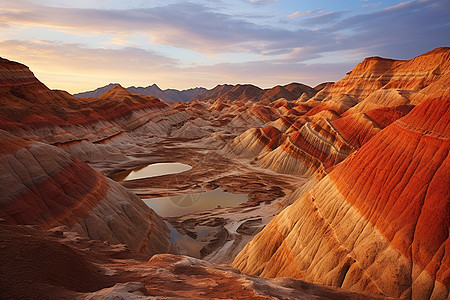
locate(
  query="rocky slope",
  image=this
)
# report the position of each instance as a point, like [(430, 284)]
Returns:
[(225, 92), (45, 186), (43, 136), (92, 270), (372, 217), (324, 128), (379, 222), (95, 129)]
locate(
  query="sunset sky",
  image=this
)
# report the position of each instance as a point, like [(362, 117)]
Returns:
[(84, 44)]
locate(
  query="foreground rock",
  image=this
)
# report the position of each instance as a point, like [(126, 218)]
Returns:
[(61, 265), (45, 186)]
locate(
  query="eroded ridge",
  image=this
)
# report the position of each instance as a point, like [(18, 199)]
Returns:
[(378, 222)]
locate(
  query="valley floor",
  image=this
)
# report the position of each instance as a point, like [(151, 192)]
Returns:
[(227, 229)]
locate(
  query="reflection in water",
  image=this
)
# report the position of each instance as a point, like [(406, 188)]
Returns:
[(179, 205), (188, 245), (152, 170)]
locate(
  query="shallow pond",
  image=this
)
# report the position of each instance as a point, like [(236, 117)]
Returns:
[(152, 170), (185, 243), (179, 205)]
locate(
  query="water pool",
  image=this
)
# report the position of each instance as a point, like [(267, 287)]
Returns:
[(152, 170), (179, 205)]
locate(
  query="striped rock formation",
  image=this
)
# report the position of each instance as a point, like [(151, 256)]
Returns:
[(44, 185), (315, 147), (89, 269), (376, 73), (248, 92), (255, 141), (378, 223), (324, 129), (91, 129), (43, 136)]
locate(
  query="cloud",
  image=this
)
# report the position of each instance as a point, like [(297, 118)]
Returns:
[(298, 14), (75, 68), (202, 29), (187, 25), (402, 31), (69, 65), (322, 19), (371, 4), (400, 5), (261, 1)]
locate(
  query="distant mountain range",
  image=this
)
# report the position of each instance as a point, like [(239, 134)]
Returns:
[(241, 92), (168, 95)]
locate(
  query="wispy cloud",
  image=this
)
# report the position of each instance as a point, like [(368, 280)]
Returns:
[(299, 14), (375, 4), (322, 19), (261, 1), (400, 5), (401, 31), (74, 66), (186, 25)]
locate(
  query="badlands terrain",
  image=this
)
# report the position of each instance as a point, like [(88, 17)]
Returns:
[(339, 191)]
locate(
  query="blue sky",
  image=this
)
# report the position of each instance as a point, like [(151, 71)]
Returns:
[(84, 44)]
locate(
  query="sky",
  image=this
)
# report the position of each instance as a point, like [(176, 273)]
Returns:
[(81, 45)]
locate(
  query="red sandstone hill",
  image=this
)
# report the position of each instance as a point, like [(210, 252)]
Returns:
[(167, 95), (377, 222), (380, 221), (45, 186), (323, 129), (291, 91), (42, 135), (248, 92), (81, 127)]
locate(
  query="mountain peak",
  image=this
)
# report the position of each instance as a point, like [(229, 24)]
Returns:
[(97, 92), (116, 91)]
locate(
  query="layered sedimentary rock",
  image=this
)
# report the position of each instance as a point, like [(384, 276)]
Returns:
[(254, 141), (290, 91), (84, 128), (44, 185), (190, 130), (315, 146), (88, 269), (379, 222), (324, 128), (43, 136), (247, 92), (375, 73)]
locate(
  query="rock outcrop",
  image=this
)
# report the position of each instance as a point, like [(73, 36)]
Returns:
[(324, 128), (88, 269), (46, 138), (92, 129), (379, 222), (255, 141), (44, 185)]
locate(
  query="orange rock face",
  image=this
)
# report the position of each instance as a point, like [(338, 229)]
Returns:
[(323, 129), (375, 144), (379, 222)]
